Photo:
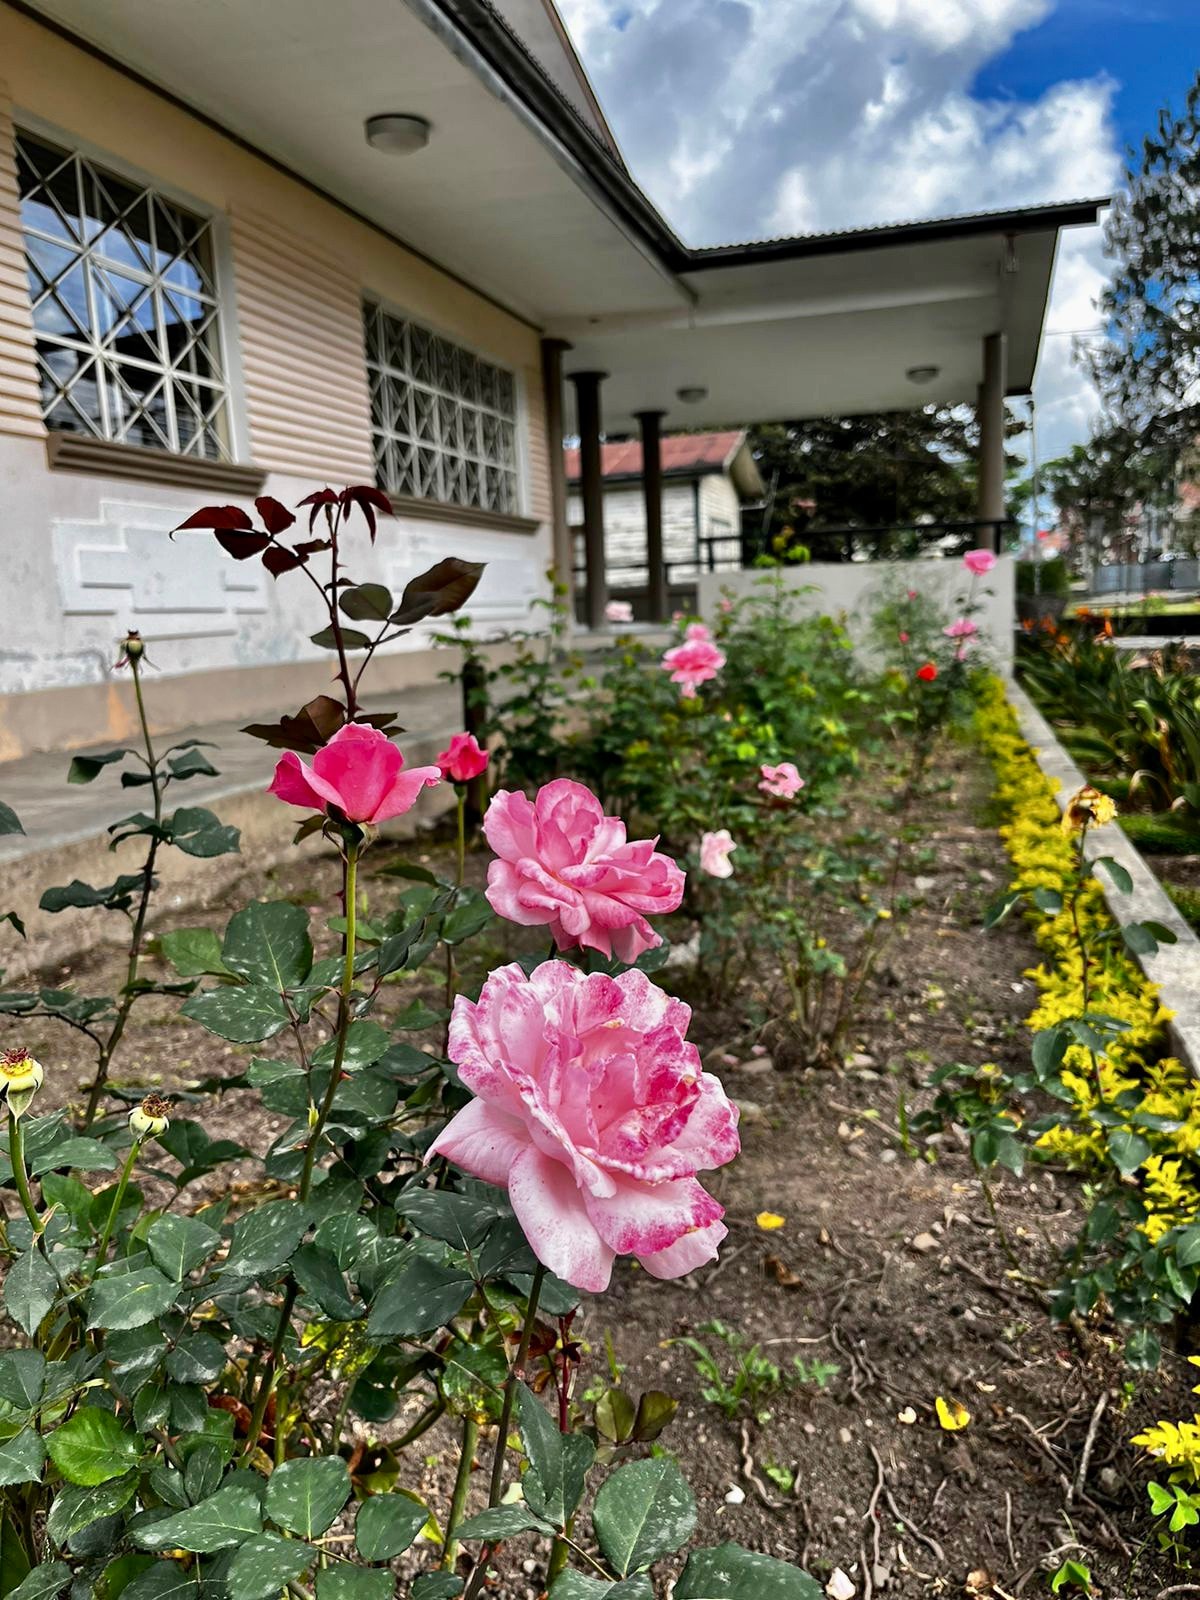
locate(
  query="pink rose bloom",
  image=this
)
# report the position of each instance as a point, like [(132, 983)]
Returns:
[(465, 759), (692, 663), (903, 638), (592, 1110), (912, 594), (697, 630), (715, 850), (564, 865), (727, 605), (783, 780), (961, 653), (964, 628), (359, 771), (979, 562), (618, 611)]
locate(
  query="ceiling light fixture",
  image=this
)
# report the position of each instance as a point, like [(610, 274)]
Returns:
[(397, 132), (692, 393), (922, 374)]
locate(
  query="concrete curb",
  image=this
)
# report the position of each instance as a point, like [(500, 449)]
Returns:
[(1174, 968)]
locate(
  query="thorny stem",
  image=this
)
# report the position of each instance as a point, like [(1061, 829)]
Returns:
[(515, 1373), (462, 1484), (16, 1154), (345, 994), (129, 993), (114, 1210)]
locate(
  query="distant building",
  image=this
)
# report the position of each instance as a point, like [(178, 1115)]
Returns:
[(707, 478)]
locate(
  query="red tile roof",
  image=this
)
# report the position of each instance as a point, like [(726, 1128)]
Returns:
[(681, 453)]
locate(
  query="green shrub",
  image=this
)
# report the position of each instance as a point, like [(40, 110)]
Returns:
[(1044, 577)]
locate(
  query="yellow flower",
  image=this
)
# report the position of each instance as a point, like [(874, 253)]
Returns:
[(19, 1072), (150, 1119), (768, 1221), (1088, 806), (951, 1414)]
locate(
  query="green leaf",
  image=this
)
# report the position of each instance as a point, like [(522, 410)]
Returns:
[(305, 1495), (268, 943), (264, 1564), (730, 1573), (21, 1458), (318, 1274), (197, 832), (76, 895), (416, 1299), (178, 1245), (576, 1586), (43, 1583), (1049, 1048), (29, 1290), (1187, 1245), (1128, 1150), (226, 1518), (193, 952), (470, 914), (166, 1580), (91, 1447), (264, 1239), (367, 602), (558, 1463), (76, 1507), (9, 821), (22, 1375), (502, 1522), (191, 763), (242, 1015), (197, 1358), (387, 1524), (358, 1583), (365, 1043), (462, 1220), (1116, 872), (1143, 1350), (84, 768), (352, 639), (130, 1299), (643, 1511), (436, 1586)]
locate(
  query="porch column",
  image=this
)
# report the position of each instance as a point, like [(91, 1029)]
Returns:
[(552, 382), (659, 599), (591, 484), (990, 414)]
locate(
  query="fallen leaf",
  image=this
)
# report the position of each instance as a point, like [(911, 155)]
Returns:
[(768, 1221), (781, 1272), (979, 1583), (951, 1414)]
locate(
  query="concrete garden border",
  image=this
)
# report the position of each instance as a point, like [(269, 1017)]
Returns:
[(1174, 968)]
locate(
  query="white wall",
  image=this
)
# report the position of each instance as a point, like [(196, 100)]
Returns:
[(625, 525), (847, 590), (85, 558)]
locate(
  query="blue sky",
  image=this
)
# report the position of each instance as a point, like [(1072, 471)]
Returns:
[(747, 118)]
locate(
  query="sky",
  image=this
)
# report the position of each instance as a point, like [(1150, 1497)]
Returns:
[(748, 118)]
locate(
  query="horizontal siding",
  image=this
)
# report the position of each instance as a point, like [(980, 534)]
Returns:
[(20, 405), (300, 340), (541, 502)]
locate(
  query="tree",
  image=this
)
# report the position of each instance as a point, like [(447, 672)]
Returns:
[(1102, 488), (866, 472), (1147, 370)]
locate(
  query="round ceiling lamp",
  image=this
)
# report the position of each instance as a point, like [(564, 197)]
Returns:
[(922, 374), (397, 132), (692, 393)]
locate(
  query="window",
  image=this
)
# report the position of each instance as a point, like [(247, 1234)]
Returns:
[(125, 309), (444, 421)]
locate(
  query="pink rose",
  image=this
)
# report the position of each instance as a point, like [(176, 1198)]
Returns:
[(783, 780), (592, 1110), (903, 638), (979, 562), (564, 865), (912, 594), (692, 663), (715, 850), (727, 605), (464, 759), (964, 628), (358, 772), (697, 630), (618, 611)]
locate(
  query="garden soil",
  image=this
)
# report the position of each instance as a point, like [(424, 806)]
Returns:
[(881, 1269)]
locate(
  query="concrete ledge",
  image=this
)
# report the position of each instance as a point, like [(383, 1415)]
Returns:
[(1173, 968)]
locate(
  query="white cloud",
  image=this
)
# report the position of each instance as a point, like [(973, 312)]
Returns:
[(746, 118)]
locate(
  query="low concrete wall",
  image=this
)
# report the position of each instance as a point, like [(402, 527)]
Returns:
[(849, 590), (1174, 968)]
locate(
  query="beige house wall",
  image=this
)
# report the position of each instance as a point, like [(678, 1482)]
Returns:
[(89, 555)]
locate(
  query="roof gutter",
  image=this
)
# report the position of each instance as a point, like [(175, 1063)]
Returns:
[(475, 35)]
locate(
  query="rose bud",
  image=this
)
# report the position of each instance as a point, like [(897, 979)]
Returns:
[(150, 1120)]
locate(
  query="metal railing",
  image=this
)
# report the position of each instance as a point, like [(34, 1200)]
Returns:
[(1139, 577)]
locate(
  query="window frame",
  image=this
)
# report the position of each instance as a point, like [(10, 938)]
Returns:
[(518, 512), (227, 341)]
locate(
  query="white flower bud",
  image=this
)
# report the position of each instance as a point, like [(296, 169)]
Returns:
[(149, 1120)]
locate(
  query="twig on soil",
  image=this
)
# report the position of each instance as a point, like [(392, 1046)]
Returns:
[(1178, 1588), (750, 1473), (926, 1539), (1089, 1444), (729, 1257), (1008, 1537)]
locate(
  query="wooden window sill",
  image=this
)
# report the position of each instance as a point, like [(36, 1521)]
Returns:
[(77, 452), (469, 516)]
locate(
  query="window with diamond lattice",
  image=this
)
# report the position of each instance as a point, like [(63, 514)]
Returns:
[(445, 422), (125, 309)]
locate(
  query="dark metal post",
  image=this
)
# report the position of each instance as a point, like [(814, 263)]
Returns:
[(652, 489), (587, 408)]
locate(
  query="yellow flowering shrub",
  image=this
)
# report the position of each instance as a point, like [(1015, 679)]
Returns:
[(1175, 1444)]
